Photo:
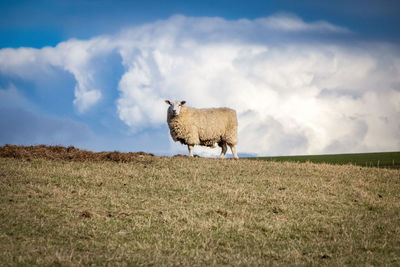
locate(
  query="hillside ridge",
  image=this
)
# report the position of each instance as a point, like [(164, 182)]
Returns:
[(69, 153)]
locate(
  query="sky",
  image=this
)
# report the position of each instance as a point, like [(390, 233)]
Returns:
[(305, 77)]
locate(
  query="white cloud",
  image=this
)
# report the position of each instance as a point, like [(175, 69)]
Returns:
[(292, 23), (73, 56), (293, 96)]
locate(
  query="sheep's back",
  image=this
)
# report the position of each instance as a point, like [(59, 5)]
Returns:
[(214, 125)]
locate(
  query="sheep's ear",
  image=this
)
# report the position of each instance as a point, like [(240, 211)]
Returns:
[(183, 102), (168, 102)]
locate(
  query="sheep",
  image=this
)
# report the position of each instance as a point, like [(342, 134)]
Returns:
[(204, 127)]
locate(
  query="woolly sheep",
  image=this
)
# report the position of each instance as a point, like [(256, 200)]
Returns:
[(204, 127)]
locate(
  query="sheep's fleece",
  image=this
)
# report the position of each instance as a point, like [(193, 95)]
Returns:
[(204, 127)]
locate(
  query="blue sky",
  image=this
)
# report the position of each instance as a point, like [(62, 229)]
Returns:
[(41, 23), (306, 77)]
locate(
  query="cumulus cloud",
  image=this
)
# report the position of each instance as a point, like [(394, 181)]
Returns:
[(293, 95), (73, 56), (292, 23)]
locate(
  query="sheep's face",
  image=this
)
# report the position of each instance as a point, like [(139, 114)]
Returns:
[(175, 107)]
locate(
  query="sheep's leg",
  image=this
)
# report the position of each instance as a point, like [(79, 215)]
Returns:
[(190, 147), (233, 148), (224, 149)]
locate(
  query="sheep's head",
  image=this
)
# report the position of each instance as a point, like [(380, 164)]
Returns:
[(174, 107)]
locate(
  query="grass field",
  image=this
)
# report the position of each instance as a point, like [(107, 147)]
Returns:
[(379, 160), (195, 211)]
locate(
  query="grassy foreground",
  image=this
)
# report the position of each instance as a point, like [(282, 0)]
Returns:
[(183, 211)]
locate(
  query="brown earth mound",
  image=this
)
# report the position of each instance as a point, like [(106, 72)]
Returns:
[(70, 154)]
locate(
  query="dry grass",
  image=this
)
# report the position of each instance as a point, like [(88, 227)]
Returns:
[(196, 211)]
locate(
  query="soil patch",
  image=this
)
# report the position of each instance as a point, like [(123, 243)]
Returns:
[(70, 154)]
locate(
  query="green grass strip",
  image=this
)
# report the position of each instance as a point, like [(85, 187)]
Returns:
[(379, 160)]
